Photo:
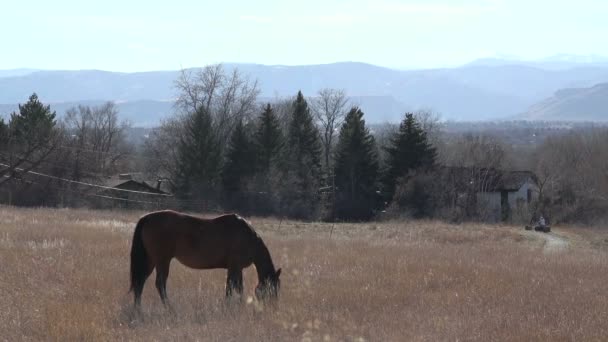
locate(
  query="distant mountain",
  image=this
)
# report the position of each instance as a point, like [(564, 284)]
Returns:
[(476, 91), (16, 72), (86, 85), (579, 104), (556, 62)]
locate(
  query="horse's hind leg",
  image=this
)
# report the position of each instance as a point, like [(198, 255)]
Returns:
[(138, 288), (162, 273), (234, 282)]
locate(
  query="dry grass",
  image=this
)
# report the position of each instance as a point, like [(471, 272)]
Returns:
[(64, 276)]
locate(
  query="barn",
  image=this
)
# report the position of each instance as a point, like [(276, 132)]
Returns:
[(511, 194)]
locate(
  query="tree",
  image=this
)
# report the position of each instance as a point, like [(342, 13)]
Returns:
[(268, 140), (573, 176), (408, 150), (268, 143), (4, 134), (97, 140), (479, 159), (329, 110), (356, 169), (238, 168), (302, 162), (419, 195), (198, 157), (28, 140), (161, 149), (226, 97)]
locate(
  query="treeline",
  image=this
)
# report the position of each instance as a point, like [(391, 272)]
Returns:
[(307, 158), (38, 152)]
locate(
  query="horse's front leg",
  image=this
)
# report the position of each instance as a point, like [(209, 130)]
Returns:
[(234, 282)]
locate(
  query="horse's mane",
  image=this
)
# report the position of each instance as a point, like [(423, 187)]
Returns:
[(262, 256)]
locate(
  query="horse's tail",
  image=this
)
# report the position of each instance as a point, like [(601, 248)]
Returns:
[(139, 258)]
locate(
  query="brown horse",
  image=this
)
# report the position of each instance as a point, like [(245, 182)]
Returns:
[(227, 241)]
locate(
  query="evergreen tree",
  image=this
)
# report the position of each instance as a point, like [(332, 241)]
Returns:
[(408, 150), (4, 134), (240, 160), (238, 168), (302, 162), (355, 170), (199, 158), (32, 126), (28, 139), (268, 140)]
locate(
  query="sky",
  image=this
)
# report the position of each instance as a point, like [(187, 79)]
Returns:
[(120, 35)]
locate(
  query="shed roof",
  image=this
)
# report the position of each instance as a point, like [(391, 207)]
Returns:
[(135, 182), (514, 180)]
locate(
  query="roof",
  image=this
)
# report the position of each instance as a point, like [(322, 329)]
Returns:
[(138, 186), (135, 182), (514, 180)]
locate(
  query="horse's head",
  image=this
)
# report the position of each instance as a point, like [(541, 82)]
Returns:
[(269, 287)]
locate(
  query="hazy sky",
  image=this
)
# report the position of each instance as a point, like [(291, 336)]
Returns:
[(152, 35)]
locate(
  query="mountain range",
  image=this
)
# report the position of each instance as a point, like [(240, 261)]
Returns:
[(577, 104), (487, 89)]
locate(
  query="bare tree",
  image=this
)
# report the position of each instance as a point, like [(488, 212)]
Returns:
[(475, 161), (228, 97), (329, 109), (161, 149), (430, 122), (573, 171), (96, 139), (383, 133)]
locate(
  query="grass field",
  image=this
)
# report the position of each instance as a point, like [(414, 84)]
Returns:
[(64, 276)]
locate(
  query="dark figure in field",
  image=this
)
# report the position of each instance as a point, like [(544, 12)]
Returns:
[(540, 225), (226, 241)]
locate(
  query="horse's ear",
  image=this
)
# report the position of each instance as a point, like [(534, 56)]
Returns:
[(278, 273)]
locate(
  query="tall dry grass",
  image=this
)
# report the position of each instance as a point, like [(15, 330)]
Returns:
[(64, 276)]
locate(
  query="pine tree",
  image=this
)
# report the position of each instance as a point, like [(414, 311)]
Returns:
[(240, 160), (239, 169), (4, 134), (199, 158), (409, 150), (32, 126), (268, 141), (302, 162), (356, 169), (29, 138)]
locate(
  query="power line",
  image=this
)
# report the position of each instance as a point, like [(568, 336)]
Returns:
[(87, 194), (63, 167), (205, 209), (89, 184), (169, 197)]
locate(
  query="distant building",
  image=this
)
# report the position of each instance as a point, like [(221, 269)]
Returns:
[(513, 192), (139, 193), (491, 194)]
